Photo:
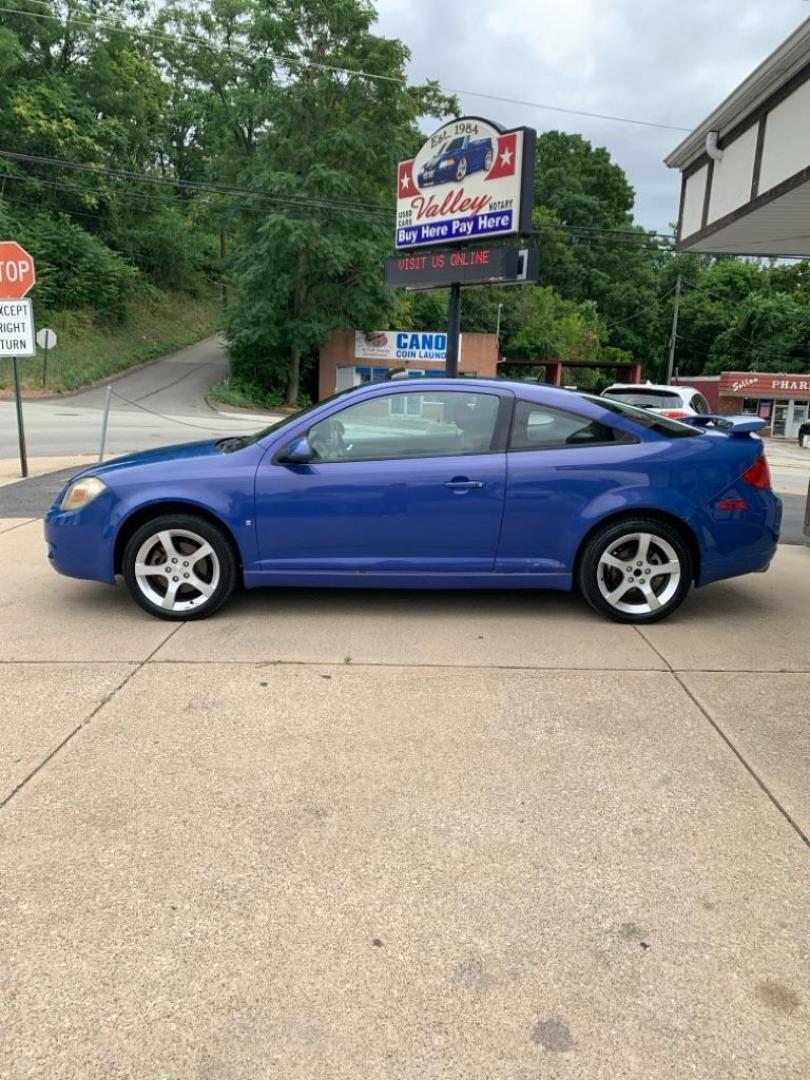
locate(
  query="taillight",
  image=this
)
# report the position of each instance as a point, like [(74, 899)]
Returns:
[(759, 475), (675, 414)]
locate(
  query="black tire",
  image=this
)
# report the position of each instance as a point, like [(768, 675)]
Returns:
[(218, 571), (632, 583)]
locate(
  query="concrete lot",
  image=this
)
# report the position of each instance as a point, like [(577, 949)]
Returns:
[(377, 835)]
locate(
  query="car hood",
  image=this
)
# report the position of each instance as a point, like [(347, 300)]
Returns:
[(159, 456)]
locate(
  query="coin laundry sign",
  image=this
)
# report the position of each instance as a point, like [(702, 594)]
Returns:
[(471, 179)]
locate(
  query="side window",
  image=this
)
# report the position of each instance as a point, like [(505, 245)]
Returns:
[(701, 405), (408, 424), (538, 427)]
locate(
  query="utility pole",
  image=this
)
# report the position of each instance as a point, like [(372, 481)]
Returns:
[(674, 338), (498, 324)]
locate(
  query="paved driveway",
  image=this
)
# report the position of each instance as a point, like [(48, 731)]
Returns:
[(378, 835), (153, 405)]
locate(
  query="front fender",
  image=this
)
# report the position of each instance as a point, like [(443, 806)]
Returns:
[(234, 514)]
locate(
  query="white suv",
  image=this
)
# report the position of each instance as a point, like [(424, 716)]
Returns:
[(674, 401)]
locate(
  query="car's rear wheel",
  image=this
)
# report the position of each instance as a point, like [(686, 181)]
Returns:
[(488, 160), (637, 570), (180, 566)]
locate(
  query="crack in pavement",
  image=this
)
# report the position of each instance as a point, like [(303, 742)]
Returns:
[(728, 740), (87, 720)]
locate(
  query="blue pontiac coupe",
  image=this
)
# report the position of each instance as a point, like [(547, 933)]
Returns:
[(432, 483), (456, 159)]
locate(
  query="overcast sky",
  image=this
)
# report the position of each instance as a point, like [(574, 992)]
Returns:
[(662, 60)]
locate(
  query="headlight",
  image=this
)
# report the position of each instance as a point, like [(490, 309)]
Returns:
[(82, 492)]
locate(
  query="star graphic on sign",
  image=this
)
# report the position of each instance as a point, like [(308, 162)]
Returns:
[(506, 158), (406, 181)]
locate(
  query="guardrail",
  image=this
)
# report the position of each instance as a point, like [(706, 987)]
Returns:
[(110, 394)]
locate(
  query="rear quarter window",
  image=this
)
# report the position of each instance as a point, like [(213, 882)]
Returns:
[(538, 427)]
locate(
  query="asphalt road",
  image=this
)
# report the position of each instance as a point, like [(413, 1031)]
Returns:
[(154, 405)]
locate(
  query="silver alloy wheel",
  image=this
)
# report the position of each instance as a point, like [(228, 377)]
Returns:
[(639, 573), (461, 171), (177, 570), (488, 161)]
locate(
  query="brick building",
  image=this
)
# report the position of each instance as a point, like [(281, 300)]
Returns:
[(350, 357)]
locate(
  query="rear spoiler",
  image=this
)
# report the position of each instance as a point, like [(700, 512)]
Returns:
[(739, 426)]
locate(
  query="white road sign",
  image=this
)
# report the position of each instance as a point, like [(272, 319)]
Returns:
[(46, 339), (17, 328)]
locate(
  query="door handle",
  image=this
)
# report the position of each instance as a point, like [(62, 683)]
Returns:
[(460, 484)]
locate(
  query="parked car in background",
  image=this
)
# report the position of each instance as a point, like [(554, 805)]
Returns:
[(673, 401), (457, 159), (432, 483), (804, 430)]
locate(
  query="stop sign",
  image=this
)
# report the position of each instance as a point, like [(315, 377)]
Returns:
[(17, 273)]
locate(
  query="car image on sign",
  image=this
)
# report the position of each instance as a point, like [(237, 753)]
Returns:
[(432, 483), (457, 159)]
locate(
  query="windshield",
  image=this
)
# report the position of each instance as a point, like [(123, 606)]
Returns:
[(271, 429), (661, 425), (647, 399), (455, 144)]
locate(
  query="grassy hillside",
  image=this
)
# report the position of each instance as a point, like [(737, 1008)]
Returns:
[(89, 352)]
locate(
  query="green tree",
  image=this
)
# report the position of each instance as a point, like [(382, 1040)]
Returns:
[(770, 331), (314, 264), (591, 250)]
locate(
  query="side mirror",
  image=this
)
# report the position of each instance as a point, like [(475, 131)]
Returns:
[(299, 452)]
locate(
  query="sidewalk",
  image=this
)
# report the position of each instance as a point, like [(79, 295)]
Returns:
[(348, 835), (42, 466)]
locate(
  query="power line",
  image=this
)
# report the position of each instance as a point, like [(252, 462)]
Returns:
[(367, 210), (295, 61), (296, 211)]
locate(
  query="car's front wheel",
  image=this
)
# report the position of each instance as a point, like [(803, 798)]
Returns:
[(461, 170), (636, 571), (180, 566)]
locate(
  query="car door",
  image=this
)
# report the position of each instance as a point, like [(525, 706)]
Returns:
[(559, 463), (406, 479)]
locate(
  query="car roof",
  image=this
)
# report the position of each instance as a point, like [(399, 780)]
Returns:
[(435, 382)]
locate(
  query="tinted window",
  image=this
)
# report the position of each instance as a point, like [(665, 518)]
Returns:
[(662, 425), (646, 399), (701, 405), (426, 423), (537, 427)]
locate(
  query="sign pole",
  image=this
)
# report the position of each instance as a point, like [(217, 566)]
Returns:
[(20, 426), (104, 421), (453, 331), (45, 366)]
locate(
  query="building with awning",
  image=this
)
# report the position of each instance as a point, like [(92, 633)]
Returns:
[(745, 190), (745, 171)]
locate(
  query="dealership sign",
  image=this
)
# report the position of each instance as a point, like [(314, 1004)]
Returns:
[(471, 180), (464, 266), (400, 345)]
